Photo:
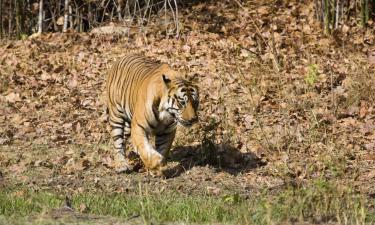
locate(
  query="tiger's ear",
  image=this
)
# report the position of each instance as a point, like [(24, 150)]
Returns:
[(166, 80)]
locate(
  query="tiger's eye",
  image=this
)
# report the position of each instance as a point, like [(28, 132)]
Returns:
[(182, 102)]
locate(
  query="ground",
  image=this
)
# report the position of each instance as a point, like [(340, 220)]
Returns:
[(286, 131)]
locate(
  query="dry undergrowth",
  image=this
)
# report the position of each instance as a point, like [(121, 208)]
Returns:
[(281, 105)]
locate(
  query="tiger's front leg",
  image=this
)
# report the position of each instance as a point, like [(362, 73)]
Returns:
[(152, 159), (163, 141)]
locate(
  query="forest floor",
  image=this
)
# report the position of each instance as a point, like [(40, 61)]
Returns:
[(286, 132)]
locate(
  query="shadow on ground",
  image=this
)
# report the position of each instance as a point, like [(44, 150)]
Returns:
[(222, 157)]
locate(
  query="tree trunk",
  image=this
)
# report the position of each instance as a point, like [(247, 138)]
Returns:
[(28, 25), (1, 19), (80, 21), (89, 15), (337, 18), (364, 12), (71, 17), (40, 19), (326, 17), (10, 19), (119, 9), (17, 4), (66, 11)]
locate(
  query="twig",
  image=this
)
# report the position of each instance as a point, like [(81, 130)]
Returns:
[(177, 23), (165, 16)]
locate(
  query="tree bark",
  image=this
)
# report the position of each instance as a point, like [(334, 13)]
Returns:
[(70, 17), (89, 15), (326, 17), (79, 20), (1, 19), (40, 19), (10, 19), (66, 12), (364, 12), (17, 4), (337, 18), (119, 10)]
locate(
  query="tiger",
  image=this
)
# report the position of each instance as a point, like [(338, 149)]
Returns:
[(146, 100)]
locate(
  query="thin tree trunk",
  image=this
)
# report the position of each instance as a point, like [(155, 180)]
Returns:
[(364, 12), (322, 8), (53, 17), (327, 17), (89, 15), (28, 26), (80, 21), (22, 14), (17, 4), (1, 19), (112, 13), (70, 17), (66, 11), (175, 17), (337, 14), (40, 19), (317, 10), (10, 19), (119, 9)]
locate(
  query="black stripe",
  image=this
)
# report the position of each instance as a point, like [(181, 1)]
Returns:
[(115, 138), (156, 114), (171, 127), (113, 123), (163, 135), (120, 110), (155, 107), (163, 142), (127, 120)]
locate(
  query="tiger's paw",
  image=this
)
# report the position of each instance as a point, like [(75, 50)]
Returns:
[(122, 165), (154, 162), (159, 172), (124, 169)]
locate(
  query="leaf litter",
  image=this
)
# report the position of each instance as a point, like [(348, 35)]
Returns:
[(290, 102)]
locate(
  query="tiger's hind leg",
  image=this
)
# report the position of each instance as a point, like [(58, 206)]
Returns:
[(120, 132)]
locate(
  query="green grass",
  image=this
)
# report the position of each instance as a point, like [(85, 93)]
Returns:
[(320, 202)]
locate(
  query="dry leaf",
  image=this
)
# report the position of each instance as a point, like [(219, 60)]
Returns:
[(13, 97), (371, 57)]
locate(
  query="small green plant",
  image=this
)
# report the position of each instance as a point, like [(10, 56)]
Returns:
[(232, 199), (23, 36), (312, 74)]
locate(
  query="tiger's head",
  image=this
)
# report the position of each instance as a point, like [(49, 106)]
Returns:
[(182, 101)]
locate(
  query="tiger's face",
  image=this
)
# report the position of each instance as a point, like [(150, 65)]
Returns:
[(183, 102)]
